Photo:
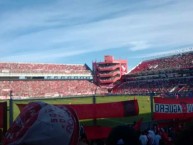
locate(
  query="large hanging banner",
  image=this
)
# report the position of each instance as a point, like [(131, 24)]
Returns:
[(102, 110), (172, 108)]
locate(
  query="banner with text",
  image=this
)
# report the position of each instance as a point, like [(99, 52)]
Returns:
[(171, 108)]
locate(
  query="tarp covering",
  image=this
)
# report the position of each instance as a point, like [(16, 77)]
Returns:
[(172, 108), (3, 116), (103, 110)]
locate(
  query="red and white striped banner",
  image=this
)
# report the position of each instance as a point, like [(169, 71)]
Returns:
[(172, 108)]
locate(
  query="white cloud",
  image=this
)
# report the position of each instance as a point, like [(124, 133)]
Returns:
[(163, 53), (139, 45), (67, 29)]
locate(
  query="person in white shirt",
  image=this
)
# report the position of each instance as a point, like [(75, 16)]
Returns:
[(143, 138), (157, 139), (151, 137)]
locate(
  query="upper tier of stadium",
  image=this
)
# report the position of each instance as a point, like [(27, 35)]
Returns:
[(178, 61), (44, 68)]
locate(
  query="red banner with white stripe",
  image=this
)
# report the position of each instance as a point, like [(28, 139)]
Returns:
[(172, 108), (102, 110)]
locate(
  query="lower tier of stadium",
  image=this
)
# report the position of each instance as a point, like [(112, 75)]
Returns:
[(50, 88)]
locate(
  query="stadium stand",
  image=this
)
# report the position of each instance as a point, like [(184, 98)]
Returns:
[(43, 68), (159, 86), (51, 88), (167, 74), (179, 61), (46, 80), (172, 74)]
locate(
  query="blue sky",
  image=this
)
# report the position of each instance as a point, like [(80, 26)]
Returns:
[(82, 31)]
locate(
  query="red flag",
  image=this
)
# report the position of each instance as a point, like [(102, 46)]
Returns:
[(137, 125)]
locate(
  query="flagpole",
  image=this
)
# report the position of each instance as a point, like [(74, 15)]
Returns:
[(11, 108), (151, 105), (94, 102)]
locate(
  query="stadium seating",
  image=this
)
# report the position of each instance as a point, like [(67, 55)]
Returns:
[(159, 86), (43, 68), (51, 88), (170, 74), (45, 88), (57, 88), (184, 60)]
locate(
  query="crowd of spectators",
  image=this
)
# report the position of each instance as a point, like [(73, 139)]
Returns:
[(183, 60), (160, 86), (43, 68), (51, 88), (174, 132), (160, 135), (170, 74)]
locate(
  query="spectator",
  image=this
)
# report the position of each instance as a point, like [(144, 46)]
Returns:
[(43, 124), (151, 137), (143, 137), (157, 139), (123, 135)]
